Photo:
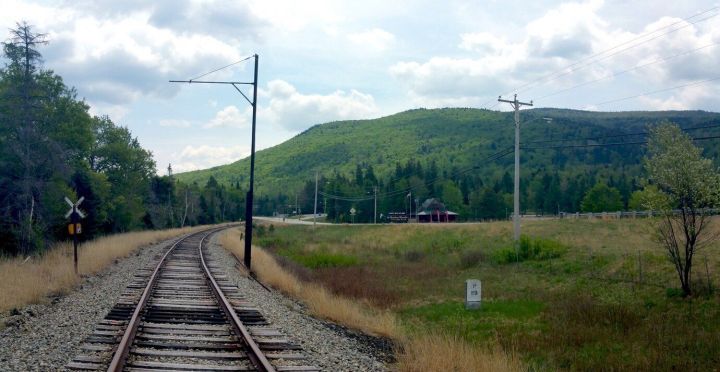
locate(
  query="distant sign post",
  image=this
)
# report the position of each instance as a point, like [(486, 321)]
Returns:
[(473, 294), (74, 228), (352, 214)]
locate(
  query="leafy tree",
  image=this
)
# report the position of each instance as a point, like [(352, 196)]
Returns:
[(129, 169), (31, 160), (646, 198), (602, 198), (451, 196), (688, 185)]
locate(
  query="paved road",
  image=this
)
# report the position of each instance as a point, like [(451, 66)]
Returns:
[(289, 221)]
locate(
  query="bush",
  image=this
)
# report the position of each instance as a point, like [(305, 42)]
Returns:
[(414, 256), (322, 259), (471, 258), (536, 249), (258, 230)]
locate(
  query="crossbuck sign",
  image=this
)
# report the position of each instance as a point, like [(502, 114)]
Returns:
[(75, 215), (74, 207)]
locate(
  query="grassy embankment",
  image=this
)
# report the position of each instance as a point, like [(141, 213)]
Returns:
[(587, 295), (26, 282)]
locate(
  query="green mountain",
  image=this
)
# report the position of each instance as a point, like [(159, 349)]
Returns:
[(457, 139)]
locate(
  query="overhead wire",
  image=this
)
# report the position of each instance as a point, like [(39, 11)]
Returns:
[(401, 191), (616, 74), (222, 68), (618, 135), (609, 144), (593, 60), (700, 82)]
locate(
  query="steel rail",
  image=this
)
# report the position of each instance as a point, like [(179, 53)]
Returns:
[(123, 349), (256, 356)]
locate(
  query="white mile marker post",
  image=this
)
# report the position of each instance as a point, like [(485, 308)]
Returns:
[(473, 294)]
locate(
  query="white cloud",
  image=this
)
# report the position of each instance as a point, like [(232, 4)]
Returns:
[(230, 116), (293, 110), (175, 123), (204, 156), (293, 16), (116, 56), (483, 42), (568, 33), (684, 99), (375, 39)]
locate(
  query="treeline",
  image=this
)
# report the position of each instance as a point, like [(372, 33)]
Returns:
[(471, 196), (51, 147)]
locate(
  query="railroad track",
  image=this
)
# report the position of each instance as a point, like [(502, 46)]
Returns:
[(183, 314)]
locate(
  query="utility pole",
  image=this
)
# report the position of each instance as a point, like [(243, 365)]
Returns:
[(516, 193), (170, 192), (315, 211), (375, 210), (253, 103), (409, 196)]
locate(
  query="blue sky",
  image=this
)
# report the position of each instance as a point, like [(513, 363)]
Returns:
[(333, 60)]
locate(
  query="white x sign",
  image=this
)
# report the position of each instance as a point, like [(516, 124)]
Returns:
[(74, 206)]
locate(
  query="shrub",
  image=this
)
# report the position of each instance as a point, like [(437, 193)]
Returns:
[(414, 256), (316, 260), (259, 230), (471, 258), (530, 249)]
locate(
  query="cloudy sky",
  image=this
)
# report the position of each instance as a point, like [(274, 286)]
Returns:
[(332, 60)]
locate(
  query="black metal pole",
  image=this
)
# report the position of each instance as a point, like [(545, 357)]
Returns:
[(74, 220), (249, 199)]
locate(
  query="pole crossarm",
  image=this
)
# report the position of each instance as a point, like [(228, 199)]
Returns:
[(515, 102)]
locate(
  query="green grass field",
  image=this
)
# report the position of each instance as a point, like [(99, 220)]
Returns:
[(585, 294)]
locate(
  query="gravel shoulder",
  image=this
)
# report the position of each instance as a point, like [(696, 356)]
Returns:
[(44, 337)]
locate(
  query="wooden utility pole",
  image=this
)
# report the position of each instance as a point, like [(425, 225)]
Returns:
[(315, 209), (516, 193), (375, 210)]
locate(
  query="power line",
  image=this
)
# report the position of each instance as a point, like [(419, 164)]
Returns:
[(616, 74), (658, 91), (610, 144), (619, 135), (492, 157), (563, 72)]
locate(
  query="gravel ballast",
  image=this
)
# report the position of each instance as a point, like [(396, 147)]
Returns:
[(45, 337)]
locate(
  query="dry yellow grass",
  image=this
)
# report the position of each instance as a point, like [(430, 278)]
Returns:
[(25, 282), (420, 352), (447, 353), (319, 300)]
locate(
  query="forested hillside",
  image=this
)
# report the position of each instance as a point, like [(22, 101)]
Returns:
[(51, 147), (461, 156)]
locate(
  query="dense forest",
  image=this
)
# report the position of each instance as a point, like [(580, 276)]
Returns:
[(51, 147), (571, 161)]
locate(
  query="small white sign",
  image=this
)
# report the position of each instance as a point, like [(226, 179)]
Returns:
[(473, 293), (352, 211)]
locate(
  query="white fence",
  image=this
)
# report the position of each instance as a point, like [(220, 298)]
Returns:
[(608, 215)]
